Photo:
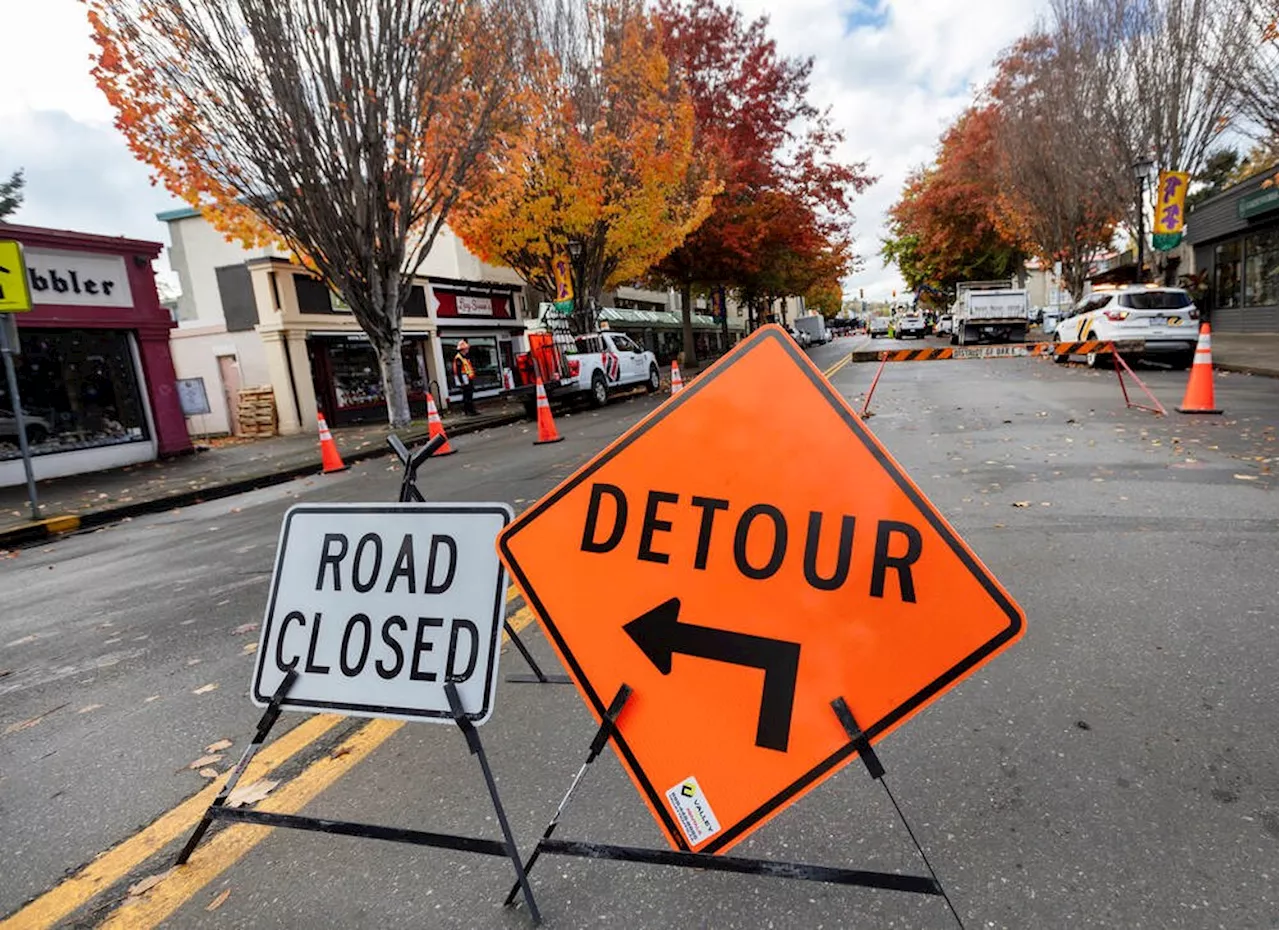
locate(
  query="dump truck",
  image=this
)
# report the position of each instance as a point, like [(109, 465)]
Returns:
[(988, 311)]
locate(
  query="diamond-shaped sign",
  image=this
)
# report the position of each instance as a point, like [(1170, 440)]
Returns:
[(740, 558)]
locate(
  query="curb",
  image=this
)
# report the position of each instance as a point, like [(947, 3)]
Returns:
[(1246, 369), (29, 534)]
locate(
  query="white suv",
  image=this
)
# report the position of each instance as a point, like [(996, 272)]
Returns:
[(1164, 317)]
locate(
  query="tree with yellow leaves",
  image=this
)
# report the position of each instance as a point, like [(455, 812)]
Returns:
[(600, 155), (343, 131)]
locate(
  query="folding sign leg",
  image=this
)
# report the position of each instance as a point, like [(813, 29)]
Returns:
[(477, 749), (269, 718), (1121, 368), (866, 404), (597, 746), (874, 768), (539, 677)]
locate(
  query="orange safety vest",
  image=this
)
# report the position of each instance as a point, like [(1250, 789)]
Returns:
[(462, 368)]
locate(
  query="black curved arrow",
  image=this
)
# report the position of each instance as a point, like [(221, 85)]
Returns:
[(660, 634)]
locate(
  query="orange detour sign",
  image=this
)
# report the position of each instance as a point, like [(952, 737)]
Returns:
[(739, 596)]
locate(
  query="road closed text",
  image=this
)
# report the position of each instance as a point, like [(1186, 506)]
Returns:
[(757, 539), (381, 610)]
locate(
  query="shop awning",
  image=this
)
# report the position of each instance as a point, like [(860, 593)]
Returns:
[(656, 319)]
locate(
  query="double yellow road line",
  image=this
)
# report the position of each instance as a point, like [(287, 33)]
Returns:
[(226, 847)]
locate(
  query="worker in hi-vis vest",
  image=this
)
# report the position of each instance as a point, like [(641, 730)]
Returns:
[(464, 374)]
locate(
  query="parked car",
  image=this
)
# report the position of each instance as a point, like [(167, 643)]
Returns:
[(1049, 322), (879, 326), (1163, 317), (943, 326), (910, 326), (37, 428)]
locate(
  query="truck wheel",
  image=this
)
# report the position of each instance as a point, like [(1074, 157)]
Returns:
[(655, 380), (599, 390)]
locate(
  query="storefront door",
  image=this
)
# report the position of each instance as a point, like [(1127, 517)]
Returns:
[(229, 373)]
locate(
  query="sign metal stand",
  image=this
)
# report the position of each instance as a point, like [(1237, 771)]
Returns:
[(409, 493), (486, 847), (913, 884)]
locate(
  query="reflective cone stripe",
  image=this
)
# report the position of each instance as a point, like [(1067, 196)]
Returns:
[(330, 460), (1199, 395), (546, 422), (677, 383), (436, 428)]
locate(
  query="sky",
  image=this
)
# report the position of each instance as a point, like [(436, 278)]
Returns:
[(894, 73)]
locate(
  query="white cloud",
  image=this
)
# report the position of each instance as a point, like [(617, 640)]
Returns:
[(894, 72)]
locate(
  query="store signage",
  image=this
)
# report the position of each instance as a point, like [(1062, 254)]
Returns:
[(378, 606), (1264, 201), (738, 606), (474, 306), (78, 279), (15, 296)]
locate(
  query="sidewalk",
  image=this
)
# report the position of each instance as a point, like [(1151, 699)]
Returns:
[(222, 468), (1253, 354)]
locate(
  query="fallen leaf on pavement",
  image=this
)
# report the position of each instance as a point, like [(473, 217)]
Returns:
[(139, 888), (28, 724), (219, 900), (154, 697), (251, 794), (205, 689), (208, 773), (1022, 503), (340, 752), (1246, 477), (204, 761), (88, 707), (218, 746), (245, 628), (248, 648)]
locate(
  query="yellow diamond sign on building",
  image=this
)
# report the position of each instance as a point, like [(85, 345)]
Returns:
[(15, 294)]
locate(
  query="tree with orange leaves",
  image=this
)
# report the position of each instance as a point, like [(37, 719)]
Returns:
[(601, 155), (343, 131)]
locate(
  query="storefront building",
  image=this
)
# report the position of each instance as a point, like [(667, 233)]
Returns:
[(662, 331), (1234, 236), (486, 314), (95, 374)]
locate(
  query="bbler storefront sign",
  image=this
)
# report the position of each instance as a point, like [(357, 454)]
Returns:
[(76, 279)]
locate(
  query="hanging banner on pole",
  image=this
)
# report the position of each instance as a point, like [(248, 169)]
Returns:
[(562, 275), (1171, 196)]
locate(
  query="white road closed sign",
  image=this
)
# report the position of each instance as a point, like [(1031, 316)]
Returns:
[(377, 606)]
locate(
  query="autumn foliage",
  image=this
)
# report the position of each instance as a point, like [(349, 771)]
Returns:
[(602, 153), (949, 224)]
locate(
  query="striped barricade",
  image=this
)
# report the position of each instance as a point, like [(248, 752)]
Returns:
[(1013, 350)]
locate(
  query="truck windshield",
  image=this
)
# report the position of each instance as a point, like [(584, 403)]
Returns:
[(1156, 300)]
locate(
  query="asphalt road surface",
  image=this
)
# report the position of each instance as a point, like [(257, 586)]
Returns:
[(1115, 768)]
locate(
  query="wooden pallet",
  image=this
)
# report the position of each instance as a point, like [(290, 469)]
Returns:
[(257, 412)]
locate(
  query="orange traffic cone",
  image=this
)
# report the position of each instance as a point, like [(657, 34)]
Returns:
[(329, 457), (677, 383), (546, 423), (436, 428), (1199, 396)]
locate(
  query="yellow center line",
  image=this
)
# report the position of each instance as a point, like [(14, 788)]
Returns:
[(232, 844), (119, 861)]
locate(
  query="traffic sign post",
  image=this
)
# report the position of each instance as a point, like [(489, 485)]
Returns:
[(390, 610), (738, 606), (409, 493)]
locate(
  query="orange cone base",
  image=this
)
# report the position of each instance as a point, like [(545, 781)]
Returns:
[(543, 442), (1196, 410), (443, 451), (329, 470)]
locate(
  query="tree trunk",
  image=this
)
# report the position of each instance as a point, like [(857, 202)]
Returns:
[(686, 313), (391, 361)]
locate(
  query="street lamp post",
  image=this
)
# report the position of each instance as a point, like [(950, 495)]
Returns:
[(1141, 169)]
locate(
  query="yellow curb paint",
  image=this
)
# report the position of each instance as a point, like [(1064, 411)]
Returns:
[(119, 861), (232, 844), (518, 621), (56, 526)]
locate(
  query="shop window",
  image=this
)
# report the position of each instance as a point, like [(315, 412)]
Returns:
[(416, 305), (484, 359), (1226, 275), (79, 390), (1260, 266), (357, 375)]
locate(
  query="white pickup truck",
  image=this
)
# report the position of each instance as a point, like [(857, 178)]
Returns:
[(988, 311), (586, 366)]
